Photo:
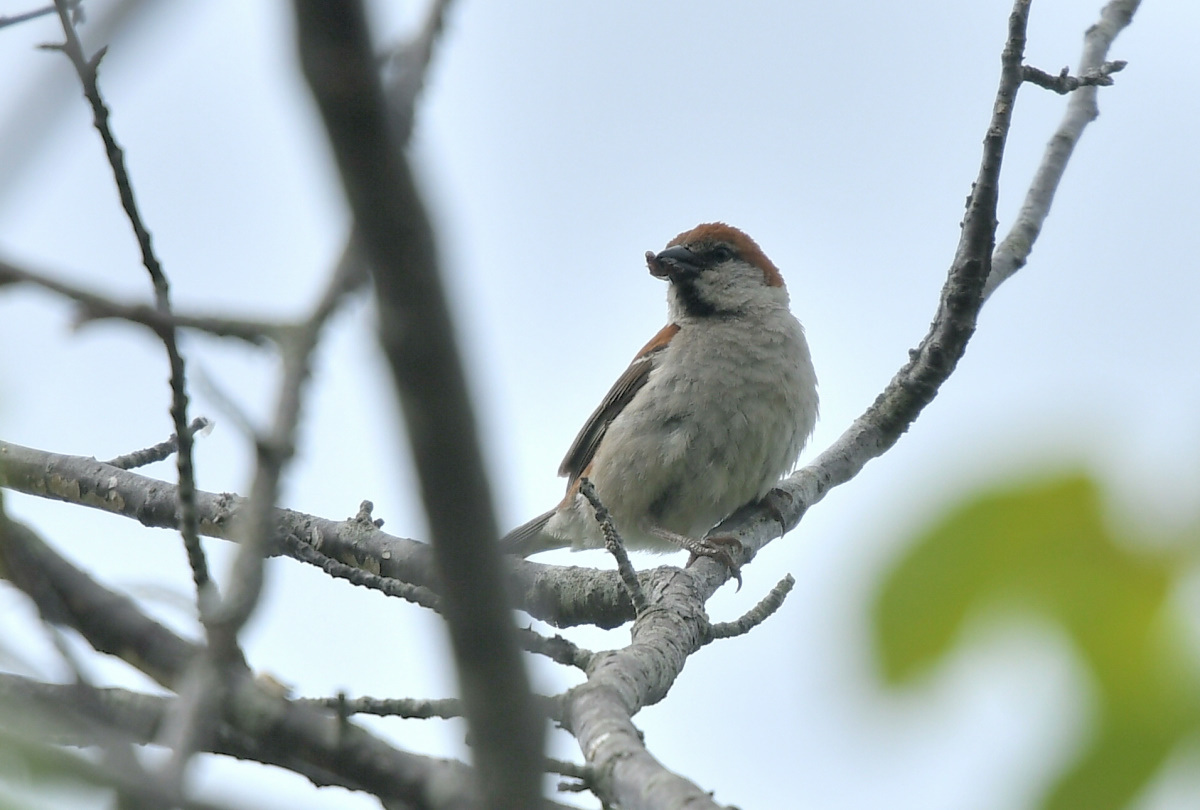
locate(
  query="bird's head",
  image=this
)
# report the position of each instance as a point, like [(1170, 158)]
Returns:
[(716, 270)]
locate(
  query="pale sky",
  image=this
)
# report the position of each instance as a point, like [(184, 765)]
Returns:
[(558, 142)]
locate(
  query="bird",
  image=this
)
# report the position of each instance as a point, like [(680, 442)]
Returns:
[(710, 414)]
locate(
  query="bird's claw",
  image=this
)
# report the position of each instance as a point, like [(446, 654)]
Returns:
[(720, 549), (775, 502)]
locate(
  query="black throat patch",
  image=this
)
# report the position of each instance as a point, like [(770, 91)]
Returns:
[(694, 304)]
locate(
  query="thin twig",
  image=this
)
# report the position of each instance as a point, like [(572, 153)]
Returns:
[(408, 708), (405, 69), (417, 594), (612, 542), (188, 727), (276, 448), (157, 452), (757, 614), (1013, 252), (86, 70), (45, 11), (582, 773), (1064, 82), (556, 648), (94, 307)]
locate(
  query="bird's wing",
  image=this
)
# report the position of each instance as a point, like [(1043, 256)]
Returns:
[(583, 449), (528, 539)]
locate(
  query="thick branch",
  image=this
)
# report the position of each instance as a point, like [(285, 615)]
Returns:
[(63, 714), (599, 712), (153, 503), (564, 596), (418, 339), (279, 730), (112, 623)]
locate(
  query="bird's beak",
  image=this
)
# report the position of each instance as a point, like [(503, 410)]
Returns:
[(671, 262)]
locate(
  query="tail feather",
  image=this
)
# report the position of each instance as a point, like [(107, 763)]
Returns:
[(529, 538)]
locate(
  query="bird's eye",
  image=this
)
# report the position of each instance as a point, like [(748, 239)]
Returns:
[(721, 253)]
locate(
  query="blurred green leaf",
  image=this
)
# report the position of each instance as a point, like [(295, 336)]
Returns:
[(1046, 549)]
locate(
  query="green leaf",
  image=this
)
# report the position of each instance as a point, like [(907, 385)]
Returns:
[(1045, 549)]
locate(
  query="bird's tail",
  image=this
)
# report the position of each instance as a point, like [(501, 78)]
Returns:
[(530, 538)]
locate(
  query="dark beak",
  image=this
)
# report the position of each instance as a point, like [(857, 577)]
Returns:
[(671, 262)]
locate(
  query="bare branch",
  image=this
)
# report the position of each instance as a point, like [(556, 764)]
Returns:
[(405, 68), (1064, 82), (410, 708), (612, 542), (45, 11), (86, 70), (112, 623), (916, 384), (61, 717), (418, 339), (1013, 252), (157, 452), (152, 502), (331, 751), (757, 614), (389, 586), (556, 648), (283, 730), (68, 764), (94, 307), (620, 682), (564, 596)]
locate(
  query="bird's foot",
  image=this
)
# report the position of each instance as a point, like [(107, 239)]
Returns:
[(720, 549), (775, 502)]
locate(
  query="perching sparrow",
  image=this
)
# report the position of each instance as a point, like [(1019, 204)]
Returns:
[(708, 416)]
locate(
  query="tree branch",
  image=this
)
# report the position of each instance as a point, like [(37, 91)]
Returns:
[(757, 614), (153, 503), (157, 452), (562, 595), (45, 11), (418, 340), (95, 307), (1064, 82), (931, 363), (614, 546), (86, 70), (599, 711), (621, 682), (1013, 252), (280, 730)]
